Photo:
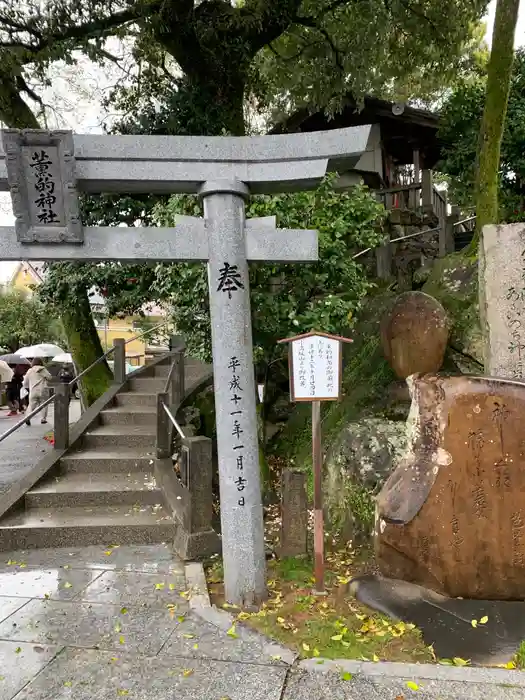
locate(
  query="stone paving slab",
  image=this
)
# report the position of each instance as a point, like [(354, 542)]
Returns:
[(303, 685), (92, 625), (136, 588), (147, 558), (19, 663), (197, 639), (10, 605), (96, 675), (53, 583)]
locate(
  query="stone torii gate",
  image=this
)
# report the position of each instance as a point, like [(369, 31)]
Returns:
[(45, 171)]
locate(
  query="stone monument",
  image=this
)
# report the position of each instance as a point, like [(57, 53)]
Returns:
[(451, 517), (414, 334), (44, 171), (502, 299)]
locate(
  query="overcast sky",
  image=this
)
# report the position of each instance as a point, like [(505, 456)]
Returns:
[(79, 111)]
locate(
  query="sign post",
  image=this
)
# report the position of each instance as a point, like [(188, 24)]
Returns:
[(316, 362)]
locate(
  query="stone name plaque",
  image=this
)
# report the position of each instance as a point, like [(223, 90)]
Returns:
[(41, 176)]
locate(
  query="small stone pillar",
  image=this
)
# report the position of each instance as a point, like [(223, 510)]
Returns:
[(294, 513)]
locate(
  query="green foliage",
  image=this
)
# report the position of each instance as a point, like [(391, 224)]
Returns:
[(402, 50), (286, 299), (25, 321), (460, 128)]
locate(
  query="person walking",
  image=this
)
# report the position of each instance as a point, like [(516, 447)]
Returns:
[(13, 392), (36, 381)]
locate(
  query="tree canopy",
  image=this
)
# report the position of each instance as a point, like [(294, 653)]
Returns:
[(25, 321), (285, 299), (285, 53), (460, 126)]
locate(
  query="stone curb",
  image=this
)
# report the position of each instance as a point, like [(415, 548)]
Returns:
[(196, 579), (430, 672), (200, 604)]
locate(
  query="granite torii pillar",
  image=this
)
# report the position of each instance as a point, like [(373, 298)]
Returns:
[(46, 170)]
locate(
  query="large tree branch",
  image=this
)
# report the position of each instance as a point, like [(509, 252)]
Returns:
[(96, 27), (311, 23)]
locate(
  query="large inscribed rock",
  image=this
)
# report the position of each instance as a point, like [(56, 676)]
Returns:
[(502, 286), (414, 334), (452, 515)]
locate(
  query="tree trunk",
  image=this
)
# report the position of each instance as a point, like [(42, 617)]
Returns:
[(492, 126), (85, 346)]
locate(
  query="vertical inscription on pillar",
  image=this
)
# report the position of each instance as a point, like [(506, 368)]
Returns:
[(237, 430)]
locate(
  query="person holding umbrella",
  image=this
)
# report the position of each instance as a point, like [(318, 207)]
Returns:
[(36, 382)]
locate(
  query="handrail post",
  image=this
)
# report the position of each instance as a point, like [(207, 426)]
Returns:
[(119, 360), (163, 434), (61, 416), (199, 477), (426, 191)]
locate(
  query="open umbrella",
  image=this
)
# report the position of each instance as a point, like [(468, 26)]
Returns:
[(41, 350), (63, 358), (12, 359), (5, 372)]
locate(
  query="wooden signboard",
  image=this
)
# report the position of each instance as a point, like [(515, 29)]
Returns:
[(316, 368)]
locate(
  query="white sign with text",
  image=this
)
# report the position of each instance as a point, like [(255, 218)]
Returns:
[(315, 368)]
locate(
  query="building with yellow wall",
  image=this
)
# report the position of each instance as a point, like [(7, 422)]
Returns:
[(26, 275)]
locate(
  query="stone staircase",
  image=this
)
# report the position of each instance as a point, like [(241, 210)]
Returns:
[(103, 490)]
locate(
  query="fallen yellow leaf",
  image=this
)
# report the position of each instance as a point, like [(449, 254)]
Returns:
[(68, 684), (121, 640), (172, 586), (458, 661), (337, 637), (232, 633), (316, 652), (474, 623), (68, 585), (121, 691), (195, 646), (412, 686), (159, 586), (306, 647), (108, 552), (187, 672), (275, 658), (484, 620)]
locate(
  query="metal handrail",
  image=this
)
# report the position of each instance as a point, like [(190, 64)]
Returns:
[(15, 427), (410, 235), (111, 350), (24, 420), (173, 420), (170, 375)]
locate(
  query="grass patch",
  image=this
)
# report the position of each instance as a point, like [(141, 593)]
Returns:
[(519, 659), (334, 626)]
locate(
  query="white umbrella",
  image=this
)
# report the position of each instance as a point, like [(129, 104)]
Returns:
[(41, 350), (5, 372), (64, 358)]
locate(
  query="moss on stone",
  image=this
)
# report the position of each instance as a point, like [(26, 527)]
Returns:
[(454, 282)]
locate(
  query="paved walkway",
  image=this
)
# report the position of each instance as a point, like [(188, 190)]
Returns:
[(23, 449), (98, 624)]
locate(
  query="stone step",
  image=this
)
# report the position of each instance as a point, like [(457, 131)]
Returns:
[(129, 415), (84, 490), (136, 399), (153, 385), (118, 436), (108, 461), (80, 527)]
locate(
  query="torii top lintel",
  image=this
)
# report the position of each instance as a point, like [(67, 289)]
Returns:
[(170, 164)]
